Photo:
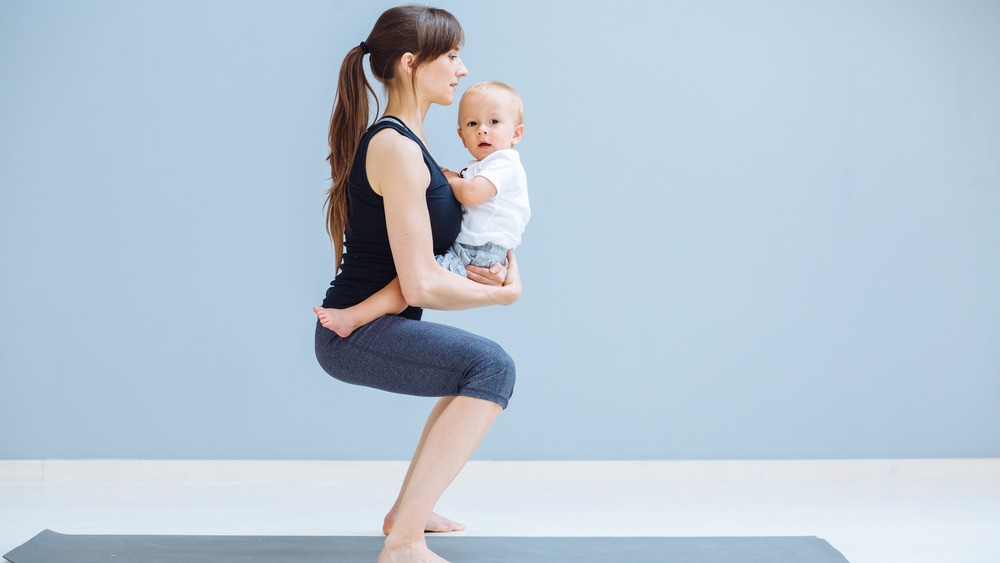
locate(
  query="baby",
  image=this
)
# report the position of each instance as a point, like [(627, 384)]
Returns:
[(493, 191)]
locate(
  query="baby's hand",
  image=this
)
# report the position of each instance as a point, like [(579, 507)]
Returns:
[(449, 174)]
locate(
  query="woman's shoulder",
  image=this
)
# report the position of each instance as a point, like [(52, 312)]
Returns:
[(395, 160), (391, 134), (394, 142)]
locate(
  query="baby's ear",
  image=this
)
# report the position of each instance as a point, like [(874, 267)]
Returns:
[(518, 131), (460, 136)]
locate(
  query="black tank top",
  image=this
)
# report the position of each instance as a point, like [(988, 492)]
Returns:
[(367, 264)]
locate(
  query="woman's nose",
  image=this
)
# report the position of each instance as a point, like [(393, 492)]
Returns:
[(462, 71)]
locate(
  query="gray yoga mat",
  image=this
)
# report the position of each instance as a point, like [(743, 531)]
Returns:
[(52, 547)]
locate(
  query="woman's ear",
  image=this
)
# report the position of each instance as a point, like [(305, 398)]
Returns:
[(406, 61)]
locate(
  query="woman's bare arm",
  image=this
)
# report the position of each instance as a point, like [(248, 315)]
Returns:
[(397, 171)]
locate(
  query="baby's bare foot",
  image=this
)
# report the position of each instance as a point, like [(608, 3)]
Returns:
[(435, 523), (336, 320)]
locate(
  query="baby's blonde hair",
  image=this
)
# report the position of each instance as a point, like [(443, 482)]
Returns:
[(493, 86)]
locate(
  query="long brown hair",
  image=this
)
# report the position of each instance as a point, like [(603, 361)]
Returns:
[(427, 33)]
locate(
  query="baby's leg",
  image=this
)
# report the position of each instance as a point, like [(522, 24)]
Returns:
[(486, 255), (454, 259), (388, 301)]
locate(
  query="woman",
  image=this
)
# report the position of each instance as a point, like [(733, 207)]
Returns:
[(392, 206)]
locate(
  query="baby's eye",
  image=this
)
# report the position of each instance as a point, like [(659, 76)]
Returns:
[(471, 124), (494, 121)]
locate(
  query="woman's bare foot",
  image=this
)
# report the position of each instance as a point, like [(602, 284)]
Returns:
[(336, 320), (435, 523), (416, 552)]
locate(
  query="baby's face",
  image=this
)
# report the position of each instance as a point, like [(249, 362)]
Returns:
[(488, 123)]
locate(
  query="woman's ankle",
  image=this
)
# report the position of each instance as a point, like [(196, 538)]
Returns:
[(399, 540)]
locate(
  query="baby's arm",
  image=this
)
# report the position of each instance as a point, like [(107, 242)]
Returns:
[(470, 191), (387, 301)]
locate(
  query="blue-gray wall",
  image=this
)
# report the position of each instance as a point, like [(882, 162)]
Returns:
[(760, 230)]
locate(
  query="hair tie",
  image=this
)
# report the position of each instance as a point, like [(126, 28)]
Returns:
[(364, 47)]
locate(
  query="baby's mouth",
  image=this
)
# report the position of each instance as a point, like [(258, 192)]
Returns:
[(484, 145)]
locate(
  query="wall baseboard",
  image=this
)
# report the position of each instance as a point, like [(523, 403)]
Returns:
[(291, 472)]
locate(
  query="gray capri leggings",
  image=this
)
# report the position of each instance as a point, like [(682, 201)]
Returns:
[(420, 358)]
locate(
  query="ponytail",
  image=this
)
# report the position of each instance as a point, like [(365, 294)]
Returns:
[(347, 123), (427, 33)]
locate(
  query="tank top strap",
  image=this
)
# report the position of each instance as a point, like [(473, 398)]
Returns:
[(390, 122)]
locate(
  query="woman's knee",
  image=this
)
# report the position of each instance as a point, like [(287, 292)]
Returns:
[(505, 366), (494, 375)]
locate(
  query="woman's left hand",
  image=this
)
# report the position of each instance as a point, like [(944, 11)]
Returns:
[(494, 275)]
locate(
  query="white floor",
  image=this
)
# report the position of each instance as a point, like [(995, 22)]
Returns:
[(873, 511)]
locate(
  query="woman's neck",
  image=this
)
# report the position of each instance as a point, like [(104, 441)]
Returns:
[(411, 113)]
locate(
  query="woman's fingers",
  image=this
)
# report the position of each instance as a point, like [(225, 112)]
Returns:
[(494, 275), (497, 275)]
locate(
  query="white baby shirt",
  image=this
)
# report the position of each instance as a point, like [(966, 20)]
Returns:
[(500, 220)]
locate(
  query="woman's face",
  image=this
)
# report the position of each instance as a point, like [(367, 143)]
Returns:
[(436, 80)]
